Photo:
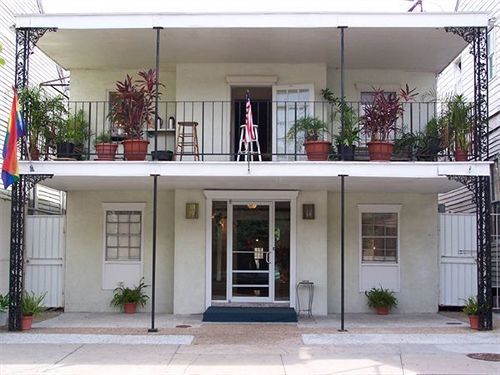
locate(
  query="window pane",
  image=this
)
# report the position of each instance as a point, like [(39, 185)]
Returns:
[(123, 235), (219, 250), (379, 242)]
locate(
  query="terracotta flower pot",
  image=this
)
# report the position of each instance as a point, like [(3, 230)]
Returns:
[(474, 321), (317, 150), (380, 150), (135, 149), (129, 308), (106, 151), (382, 310), (26, 322), (461, 155)]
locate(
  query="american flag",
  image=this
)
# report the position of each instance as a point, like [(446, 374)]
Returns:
[(249, 131)]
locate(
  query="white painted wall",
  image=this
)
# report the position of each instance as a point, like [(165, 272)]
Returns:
[(418, 251), (84, 248), (357, 80), (4, 245), (189, 257)]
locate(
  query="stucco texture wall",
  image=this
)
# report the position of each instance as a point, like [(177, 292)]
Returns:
[(419, 270), (357, 80), (84, 248), (4, 245)]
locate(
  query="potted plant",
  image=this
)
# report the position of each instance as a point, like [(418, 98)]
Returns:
[(348, 136), (43, 114), (4, 306), (460, 126), (129, 298), (312, 130), (104, 146), (32, 305), (380, 120), (380, 299), (71, 135), (133, 111), (471, 308)]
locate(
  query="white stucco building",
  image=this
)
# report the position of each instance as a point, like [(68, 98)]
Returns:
[(251, 241)]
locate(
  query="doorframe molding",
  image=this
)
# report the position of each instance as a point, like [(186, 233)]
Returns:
[(258, 195)]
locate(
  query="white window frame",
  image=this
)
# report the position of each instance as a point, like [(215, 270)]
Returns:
[(491, 53), (367, 270), (107, 264)]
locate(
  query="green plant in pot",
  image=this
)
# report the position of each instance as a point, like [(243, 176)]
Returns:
[(71, 135), (133, 111), (458, 116), (471, 308), (312, 130), (104, 146), (424, 145), (4, 307), (32, 305), (348, 136), (380, 299), (379, 121), (129, 298), (44, 115)]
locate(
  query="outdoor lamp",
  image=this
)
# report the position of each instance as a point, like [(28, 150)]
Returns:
[(308, 211)]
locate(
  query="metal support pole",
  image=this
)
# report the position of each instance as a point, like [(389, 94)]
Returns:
[(342, 96), (153, 272), (157, 84), (342, 250)]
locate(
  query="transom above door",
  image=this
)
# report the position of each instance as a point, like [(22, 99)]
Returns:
[(251, 250)]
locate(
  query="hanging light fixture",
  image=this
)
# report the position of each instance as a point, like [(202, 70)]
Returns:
[(252, 205)]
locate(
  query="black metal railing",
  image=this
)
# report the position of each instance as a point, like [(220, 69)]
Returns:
[(219, 130)]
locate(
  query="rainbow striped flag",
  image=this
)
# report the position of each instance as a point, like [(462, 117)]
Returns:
[(15, 130)]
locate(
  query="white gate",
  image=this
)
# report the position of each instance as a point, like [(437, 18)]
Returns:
[(457, 258), (45, 257)]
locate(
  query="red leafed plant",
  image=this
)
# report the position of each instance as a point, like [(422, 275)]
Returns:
[(134, 107), (380, 117)]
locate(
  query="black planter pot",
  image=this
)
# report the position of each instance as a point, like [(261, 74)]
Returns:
[(348, 152), (65, 150), (162, 155)]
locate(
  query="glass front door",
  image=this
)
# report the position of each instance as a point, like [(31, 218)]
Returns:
[(252, 252)]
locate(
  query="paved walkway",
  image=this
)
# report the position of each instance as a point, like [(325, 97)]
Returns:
[(310, 347)]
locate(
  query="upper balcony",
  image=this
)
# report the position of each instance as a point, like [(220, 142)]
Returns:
[(207, 60)]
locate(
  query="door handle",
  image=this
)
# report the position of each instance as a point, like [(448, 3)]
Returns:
[(268, 257)]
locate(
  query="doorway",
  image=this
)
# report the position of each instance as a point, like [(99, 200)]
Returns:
[(251, 250), (261, 99)]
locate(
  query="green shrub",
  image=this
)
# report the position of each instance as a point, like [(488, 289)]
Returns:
[(32, 303), (380, 297), (136, 295)]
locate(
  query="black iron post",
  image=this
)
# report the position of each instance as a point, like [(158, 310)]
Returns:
[(153, 265), (342, 96), (480, 185), (26, 40), (342, 251), (157, 84)]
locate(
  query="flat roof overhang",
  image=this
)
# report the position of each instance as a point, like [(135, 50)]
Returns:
[(405, 41), (381, 177)]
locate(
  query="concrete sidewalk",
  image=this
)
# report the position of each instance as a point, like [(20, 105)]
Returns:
[(397, 345)]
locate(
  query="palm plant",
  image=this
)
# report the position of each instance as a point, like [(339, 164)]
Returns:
[(308, 128), (459, 122)]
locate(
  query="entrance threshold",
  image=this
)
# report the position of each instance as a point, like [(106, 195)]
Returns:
[(239, 314)]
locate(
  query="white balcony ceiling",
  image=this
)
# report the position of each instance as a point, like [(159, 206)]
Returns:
[(412, 42)]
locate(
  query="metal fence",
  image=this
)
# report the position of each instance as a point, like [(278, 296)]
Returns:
[(219, 125)]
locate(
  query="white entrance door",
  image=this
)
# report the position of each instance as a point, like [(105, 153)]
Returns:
[(251, 259), (290, 103), (45, 257)]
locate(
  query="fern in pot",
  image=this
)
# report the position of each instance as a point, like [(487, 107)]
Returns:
[(313, 131), (32, 305), (471, 308), (380, 299), (129, 298)]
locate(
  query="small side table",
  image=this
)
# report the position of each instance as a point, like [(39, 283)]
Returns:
[(309, 285)]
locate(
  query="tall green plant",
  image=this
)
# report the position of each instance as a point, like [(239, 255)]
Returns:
[(349, 132), (44, 115), (459, 121), (309, 129)]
